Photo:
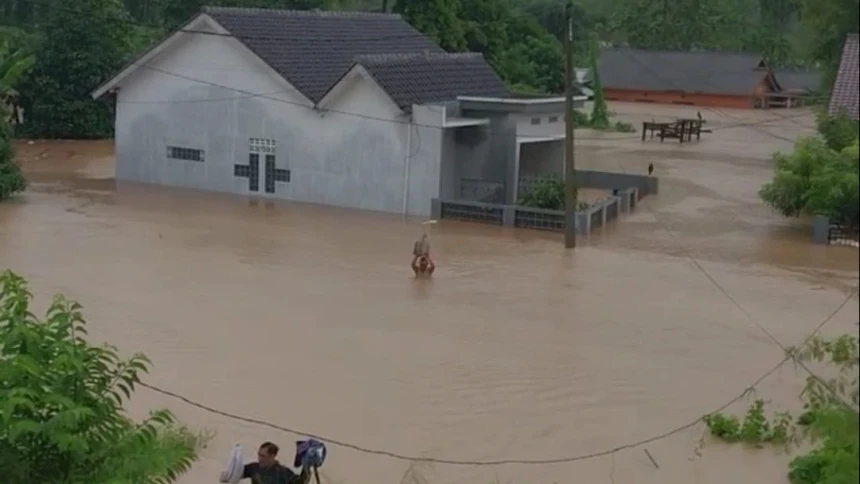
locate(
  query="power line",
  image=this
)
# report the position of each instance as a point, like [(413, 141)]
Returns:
[(786, 350), (248, 94), (476, 463)]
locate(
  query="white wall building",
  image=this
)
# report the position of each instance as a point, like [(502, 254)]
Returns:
[(336, 108)]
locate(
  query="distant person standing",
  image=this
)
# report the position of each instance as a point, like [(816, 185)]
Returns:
[(421, 247), (422, 265)]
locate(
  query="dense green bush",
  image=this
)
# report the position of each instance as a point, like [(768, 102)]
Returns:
[(11, 178), (62, 420), (817, 179), (548, 193), (829, 419)]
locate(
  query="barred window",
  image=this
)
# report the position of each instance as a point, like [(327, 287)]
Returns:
[(261, 145), (188, 154)]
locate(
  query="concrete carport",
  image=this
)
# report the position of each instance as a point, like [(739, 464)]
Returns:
[(489, 143)]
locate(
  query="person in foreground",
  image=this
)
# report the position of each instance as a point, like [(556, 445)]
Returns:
[(267, 469)]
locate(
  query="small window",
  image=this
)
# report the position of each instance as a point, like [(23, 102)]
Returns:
[(260, 145), (535, 121), (553, 119), (188, 154)]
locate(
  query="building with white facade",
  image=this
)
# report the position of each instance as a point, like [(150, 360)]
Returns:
[(349, 109)]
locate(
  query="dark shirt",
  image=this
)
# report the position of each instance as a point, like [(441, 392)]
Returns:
[(277, 474)]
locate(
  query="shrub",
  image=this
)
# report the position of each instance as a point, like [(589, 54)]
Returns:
[(829, 419), (62, 420), (548, 193)]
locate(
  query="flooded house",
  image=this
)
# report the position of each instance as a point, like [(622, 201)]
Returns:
[(348, 109)]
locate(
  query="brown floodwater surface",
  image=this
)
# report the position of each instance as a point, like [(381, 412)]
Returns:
[(308, 317)]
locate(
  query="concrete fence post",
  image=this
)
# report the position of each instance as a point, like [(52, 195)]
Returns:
[(625, 201), (435, 209), (509, 216), (583, 222), (603, 206), (820, 230)]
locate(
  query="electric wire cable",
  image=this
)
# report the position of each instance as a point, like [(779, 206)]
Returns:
[(786, 350), (501, 462), (789, 354)]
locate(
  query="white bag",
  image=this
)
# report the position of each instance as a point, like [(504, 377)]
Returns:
[(235, 466)]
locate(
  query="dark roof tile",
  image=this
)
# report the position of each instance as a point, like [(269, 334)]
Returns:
[(312, 49), (705, 72), (424, 78), (846, 89), (797, 80)]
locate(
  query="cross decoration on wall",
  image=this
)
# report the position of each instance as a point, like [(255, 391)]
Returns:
[(251, 171)]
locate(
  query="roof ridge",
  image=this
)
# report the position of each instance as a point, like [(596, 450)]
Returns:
[(385, 57), (667, 51), (296, 13)]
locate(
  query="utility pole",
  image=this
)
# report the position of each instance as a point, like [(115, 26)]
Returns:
[(569, 167)]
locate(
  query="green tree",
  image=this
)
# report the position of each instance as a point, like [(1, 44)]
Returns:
[(62, 420), (828, 22), (438, 19), (839, 132), (829, 419), (599, 112), (85, 41), (11, 179), (671, 25), (13, 64), (552, 17), (816, 179)]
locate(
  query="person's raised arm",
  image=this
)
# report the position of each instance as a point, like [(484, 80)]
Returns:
[(303, 478)]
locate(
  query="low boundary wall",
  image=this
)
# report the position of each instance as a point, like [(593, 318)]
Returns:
[(535, 218)]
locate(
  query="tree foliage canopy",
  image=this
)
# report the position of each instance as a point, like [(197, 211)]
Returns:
[(82, 42), (820, 177), (14, 62), (61, 415)]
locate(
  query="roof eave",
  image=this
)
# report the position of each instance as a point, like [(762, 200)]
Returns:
[(356, 70), (155, 50)]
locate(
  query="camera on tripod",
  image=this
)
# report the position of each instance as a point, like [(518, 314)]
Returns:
[(311, 453)]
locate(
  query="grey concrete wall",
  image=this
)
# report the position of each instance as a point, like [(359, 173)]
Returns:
[(820, 230), (472, 155), (449, 176), (596, 216), (426, 157), (499, 163), (646, 185), (542, 159)]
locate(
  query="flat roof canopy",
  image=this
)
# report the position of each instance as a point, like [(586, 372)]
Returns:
[(455, 122), (517, 105), (522, 140)]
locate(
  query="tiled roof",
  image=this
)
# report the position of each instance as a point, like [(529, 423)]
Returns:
[(424, 78), (797, 80), (313, 49), (706, 72), (846, 89)]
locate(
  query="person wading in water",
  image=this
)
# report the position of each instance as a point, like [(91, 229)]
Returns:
[(422, 265)]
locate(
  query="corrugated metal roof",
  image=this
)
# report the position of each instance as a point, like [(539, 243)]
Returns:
[(703, 72)]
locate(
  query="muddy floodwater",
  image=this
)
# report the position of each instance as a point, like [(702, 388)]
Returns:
[(308, 317)]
